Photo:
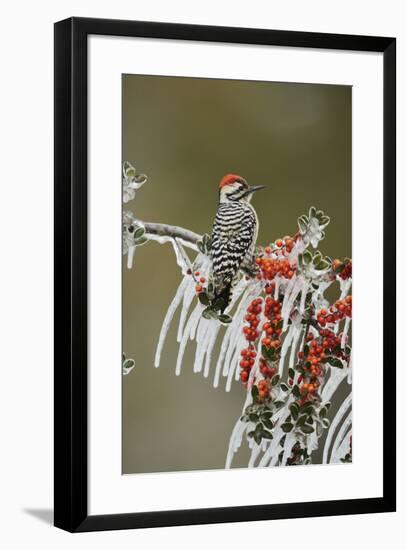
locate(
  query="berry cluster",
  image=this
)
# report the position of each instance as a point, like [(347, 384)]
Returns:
[(247, 362), (200, 281), (272, 326), (271, 267), (313, 368), (340, 309), (274, 261), (264, 389), (271, 341), (343, 269), (253, 311), (251, 333)]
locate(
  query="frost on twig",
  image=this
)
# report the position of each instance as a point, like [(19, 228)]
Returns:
[(128, 365), (131, 181)]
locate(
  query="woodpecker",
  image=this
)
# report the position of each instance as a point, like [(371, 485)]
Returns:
[(234, 235)]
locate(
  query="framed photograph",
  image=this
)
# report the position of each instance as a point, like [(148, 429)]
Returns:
[(224, 274)]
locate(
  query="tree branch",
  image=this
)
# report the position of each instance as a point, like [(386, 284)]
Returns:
[(171, 231)]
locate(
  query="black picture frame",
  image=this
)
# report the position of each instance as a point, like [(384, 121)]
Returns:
[(70, 174)]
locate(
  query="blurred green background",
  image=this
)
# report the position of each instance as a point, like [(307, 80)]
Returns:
[(185, 134)]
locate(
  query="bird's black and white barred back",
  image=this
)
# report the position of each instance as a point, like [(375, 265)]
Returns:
[(234, 235)]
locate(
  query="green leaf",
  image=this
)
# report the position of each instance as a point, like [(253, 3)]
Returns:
[(275, 379), (325, 422), (139, 232), (302, 420), (225, 318), (204, 299), (219, 304), (254, 392), (306, 349), (291, 373), (323, 264), (253, 417), (266, 435), (306, 429), (307, 408), (279, 404), (287, 427), (284, 387), (208, 313), (302, 225), (257, 438), (141, 241), (307, 257), (323, 412), (317, 257), (296, 391), (294, 409), (267, 423), (128, 363), (334, 362)]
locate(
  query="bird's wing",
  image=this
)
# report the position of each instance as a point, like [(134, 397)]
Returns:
[(232, 238)]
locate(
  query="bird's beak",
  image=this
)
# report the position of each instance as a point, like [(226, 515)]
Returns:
[(256, 188)]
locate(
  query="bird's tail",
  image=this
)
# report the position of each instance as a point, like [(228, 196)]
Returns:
[(224, 291)]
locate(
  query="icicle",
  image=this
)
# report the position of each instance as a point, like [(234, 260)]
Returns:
[(234, 329), (180, 260), (277, 280), (345, 286), (187, 300), (345, 405), (196, 320), (168, 318), (343, 448), (295, 340), (130, 256), (345, 331), (335, 379), (303, 297), (190, 326), (238, 432), (277, 436), (223, 349), (235, 441), (256, 450), (214, 329), (349, 375), (201, 344), (162, 239), (346, 425), (288, 446), (291, 294)]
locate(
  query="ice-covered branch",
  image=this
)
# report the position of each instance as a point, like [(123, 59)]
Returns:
[(163, 230)]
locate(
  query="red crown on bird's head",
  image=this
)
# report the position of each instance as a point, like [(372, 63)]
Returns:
[(230, 179)]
